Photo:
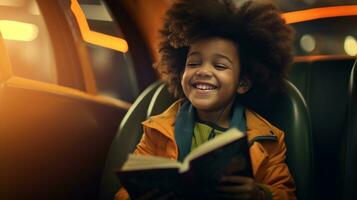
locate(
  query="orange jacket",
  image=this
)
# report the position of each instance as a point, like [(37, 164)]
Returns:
[(267, 150)]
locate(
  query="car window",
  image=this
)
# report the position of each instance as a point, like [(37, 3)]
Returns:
[(113, 69), (27, 40), (330, 36), (322, 28)]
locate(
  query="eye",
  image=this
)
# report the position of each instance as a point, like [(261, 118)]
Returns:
[(192, 64), (220, 66)]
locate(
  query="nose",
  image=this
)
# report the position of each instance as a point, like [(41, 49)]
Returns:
[(204, 70)]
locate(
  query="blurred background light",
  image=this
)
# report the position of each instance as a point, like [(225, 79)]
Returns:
[(96, 12), (33, 8), (94, 37), (20, 31), (350, 45), (307, 43), (15, 3), (113, 94)]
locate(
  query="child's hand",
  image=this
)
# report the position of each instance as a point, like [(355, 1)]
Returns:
[(239, 187)]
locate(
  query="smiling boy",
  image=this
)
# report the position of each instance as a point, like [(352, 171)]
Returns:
[(213, 54)]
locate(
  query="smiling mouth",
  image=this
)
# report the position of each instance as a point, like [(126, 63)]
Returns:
[(204, 86)]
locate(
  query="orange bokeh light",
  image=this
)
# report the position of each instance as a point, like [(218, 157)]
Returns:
[(319, 13), (96, 38)]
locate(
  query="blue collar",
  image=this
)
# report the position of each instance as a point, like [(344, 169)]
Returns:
[(185, 122)]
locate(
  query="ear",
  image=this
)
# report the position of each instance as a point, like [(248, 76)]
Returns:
[(244, 85)]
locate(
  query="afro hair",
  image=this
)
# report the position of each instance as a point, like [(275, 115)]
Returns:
[(263, 39)]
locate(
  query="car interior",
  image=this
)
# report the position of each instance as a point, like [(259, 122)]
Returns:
[(71, 104)]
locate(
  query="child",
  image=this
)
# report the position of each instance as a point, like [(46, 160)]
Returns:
[(221, 59)]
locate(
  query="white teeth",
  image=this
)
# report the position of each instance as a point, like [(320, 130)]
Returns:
[(204, 87)]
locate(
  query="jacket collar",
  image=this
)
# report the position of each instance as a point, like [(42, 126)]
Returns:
[(185, 122), (257, 127)]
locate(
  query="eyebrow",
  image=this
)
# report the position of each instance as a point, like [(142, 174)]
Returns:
[(216, 55), (225, 57), (193, 53)]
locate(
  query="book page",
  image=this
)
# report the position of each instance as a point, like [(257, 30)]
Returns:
[(229, 136), (142, 162)]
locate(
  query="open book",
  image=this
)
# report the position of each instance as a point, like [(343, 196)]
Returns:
[(199, 173)]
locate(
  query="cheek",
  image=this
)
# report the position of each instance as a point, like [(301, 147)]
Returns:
[(185, 82), (185, 77), (229, 81)]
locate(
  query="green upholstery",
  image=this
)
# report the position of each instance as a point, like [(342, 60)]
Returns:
[(350, 180), (324, 84), (160, 101), (289, 112), (128, 135)]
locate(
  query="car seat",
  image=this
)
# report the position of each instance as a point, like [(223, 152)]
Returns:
[(350, 176), (124, 142), (288, 112)]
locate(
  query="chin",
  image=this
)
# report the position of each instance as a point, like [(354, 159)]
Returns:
[(204, 105)]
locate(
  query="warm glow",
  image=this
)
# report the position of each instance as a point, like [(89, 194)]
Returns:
[(307, 43), (15, 3), (350, 46), (20, 31), (33, 8), (314, 58), (318, 13), (96, 38), (96, 12)]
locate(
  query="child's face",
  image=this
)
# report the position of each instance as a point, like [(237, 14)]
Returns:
[(211, 75)]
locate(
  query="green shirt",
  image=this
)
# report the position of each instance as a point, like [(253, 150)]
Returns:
[(202, 131)]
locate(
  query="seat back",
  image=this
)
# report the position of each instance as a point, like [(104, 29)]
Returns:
[(160, 101), (289, 113), (128, 135), (324, 85), (350, 176)]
